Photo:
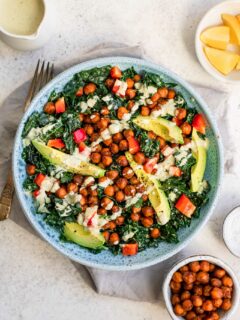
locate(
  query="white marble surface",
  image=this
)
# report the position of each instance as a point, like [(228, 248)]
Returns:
[(35, 281)]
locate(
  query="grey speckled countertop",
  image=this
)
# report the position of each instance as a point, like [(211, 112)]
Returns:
[(36, 282)]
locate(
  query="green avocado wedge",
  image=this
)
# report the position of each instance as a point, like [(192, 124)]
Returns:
[(200, 154), (78, 234), (68, 162), (166, 129), (156, 195)]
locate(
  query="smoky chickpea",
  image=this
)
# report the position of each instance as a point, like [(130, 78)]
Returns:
[(147, 222), (128, 172), (83, 192), (109, 191), (49, 108), (121, 112), (187, 286), (175, 286), (226, 305), (185, 295), (72, 187), (89, 88), (119, 196), (197, 301), (216, 293), (117, 137), (227, 292), (103, 123), (112, 174), (121, 183), (135, 216), (197, 290), (191, 315), (107, 160), (105, 202), (78, 179), (130, 190), (61, 192), (148, 211), (120, 220), (95, 157), (181, 113), (102, 211), (163, 92), (145, 111), (215, 282), (137, 78), (30, 169), (109, 83), (130, 83), (114, 239), (92, 200), (107, 142), (189, 277), (186, 128), (194, 266), (177, 277), (106, 235), (104, 111), (111, 225), (219, 273), (203, 277), (155, 97), (175, 299), (123, 145), (227, 281), (207, 305), (171, 94), (179, 311), (89, 129), (155, 233), (187, 305), (122, 161), (114, 148), (130, 93), (205, 266), (217, 303), (139, 157)]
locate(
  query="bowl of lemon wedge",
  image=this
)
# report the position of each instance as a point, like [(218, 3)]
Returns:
[(217, 41)]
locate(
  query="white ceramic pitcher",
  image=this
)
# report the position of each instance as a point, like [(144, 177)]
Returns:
[(38, 38)]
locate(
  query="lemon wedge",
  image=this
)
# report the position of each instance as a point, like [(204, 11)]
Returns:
[(233, 23), (216, 37)]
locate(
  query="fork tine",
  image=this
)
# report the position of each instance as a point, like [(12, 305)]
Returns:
[(40, 78), (46, 73), (32, 87), (52, 71)]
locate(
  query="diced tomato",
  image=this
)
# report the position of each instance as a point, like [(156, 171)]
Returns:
[(56, 143), (185, 206), (79, 93), (149, 164), (177, 121), (36, 193), (175, 171), (60, 105), (199, 123), (115, 88), (130, 249), (115, 73), (79, 135), (81, 146), (133, 144), (39, 179)]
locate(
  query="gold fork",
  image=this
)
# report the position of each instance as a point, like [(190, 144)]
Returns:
[(42, 75)]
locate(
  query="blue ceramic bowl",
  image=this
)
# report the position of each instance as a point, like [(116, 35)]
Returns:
[(105, 259)]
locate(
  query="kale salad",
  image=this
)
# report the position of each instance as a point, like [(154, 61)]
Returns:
[(116, 160)]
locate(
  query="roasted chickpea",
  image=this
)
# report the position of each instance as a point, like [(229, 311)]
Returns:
[(205, 266), (186, 141), (31, 169), (111, 225), (114, 148), (181, 113), (171, 94), (120, 220), (215, 282), (155, 233), (219, 273), (217, 303), (92, 192), (137, 77), (186, 128), (151, 135), (103, 123), (148, 211), (105, 202), (109, 83), (81, 117), (194, 266), (119, 196), (185, 294), (128, 133), (187, 305), (94, 137), (214, 316), (121, 112), (207, 305), (227, 281), (144, 197), (83, 192), (199, 310), (179, 311), (197, 301), (130, 190), (155, 97), (139, 157), (216, 293), (211, 265), (130, 93), (123, 145), (134, 180), (184, 269), (112, 174), (130, 83), (106, 235), (78, 179), (130, 104), (147, 222), (140, 188), (203, 277), (163, 92), (88, 129), (227, 292), (102, 211), (145, 111), (191, 315), (117, 137), (135, 217), (104, 111), (116, 189), (207, 291), (197, 290), (162, 142), (114, 239), (97, 148), (49, 108), (89, 88), (121, 183), (109, 191), (72, 187), (122, 161), (83, 202), (226, 305), (175, 286), (177, 277), (61, 192), (189, 277), (107, 142), (92, 200), (95, 157), (175, 299), (107, 160), (187, 286), (128, 172), (136, 209)]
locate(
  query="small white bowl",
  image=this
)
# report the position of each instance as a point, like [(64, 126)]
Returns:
[(226, 315), (210, 19), (228, 227)]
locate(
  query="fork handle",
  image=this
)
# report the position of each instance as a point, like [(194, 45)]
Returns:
[(6, 197)]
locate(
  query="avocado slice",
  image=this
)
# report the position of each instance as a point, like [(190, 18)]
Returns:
[(166, 129), (197, 171), (68, 162), (156, 195), (77, 233)]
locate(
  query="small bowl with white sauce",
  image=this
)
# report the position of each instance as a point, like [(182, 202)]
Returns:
[(231, 231), (26, 24)]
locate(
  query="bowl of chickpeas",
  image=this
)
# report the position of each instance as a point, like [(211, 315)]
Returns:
[(201, 287)]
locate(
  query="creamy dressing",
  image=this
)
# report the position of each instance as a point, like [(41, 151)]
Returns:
[(21, 17)]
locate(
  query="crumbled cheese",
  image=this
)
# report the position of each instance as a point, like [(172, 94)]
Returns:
[(115, 215), (69, 200), (83, 106), (167, 151), (183, 154), (202, 187), (107, 98), (172, 196), (92, 101), (168, 108), (110, 205), (126, 236), (122, 87), (42, 199), (36, 133), (88, 181), (132, 200), (163, 168), (126, 116), (115, 127), (105, 134), (99, 140)]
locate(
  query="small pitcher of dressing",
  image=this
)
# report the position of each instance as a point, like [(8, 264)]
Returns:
[(26, 24)]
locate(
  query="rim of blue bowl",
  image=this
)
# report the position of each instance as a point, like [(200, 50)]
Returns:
[(143, 63)]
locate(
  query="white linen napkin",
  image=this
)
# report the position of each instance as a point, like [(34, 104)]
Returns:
[(145, 284)]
